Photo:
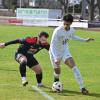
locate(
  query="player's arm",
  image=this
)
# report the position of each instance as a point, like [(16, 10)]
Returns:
[(47, 46), (77, 38), (3, 45)]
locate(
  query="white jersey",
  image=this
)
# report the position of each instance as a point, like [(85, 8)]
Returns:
[(60, 38)]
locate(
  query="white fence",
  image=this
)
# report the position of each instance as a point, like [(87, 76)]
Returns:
[(40, 22)]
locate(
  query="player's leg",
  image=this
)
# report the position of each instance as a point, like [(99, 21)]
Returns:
[(57, 70), (34, 65), (22, 60), (39, 76), (56, 67), (70, 62)]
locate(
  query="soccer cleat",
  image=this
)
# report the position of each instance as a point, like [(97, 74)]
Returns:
[(24, 82), (56, 79), (40, 85), (84, 91)]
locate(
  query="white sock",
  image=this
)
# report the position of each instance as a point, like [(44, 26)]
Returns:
[(39, 83), (56, 75), (78, 76), (23, 78)]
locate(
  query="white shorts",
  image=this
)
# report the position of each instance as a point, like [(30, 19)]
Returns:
[(62, 56)]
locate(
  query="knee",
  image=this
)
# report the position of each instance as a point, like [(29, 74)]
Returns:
[(70, 62), (56, 65), (39, 71), (23, 60)]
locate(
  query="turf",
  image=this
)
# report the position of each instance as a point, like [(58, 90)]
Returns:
[(86, 55)]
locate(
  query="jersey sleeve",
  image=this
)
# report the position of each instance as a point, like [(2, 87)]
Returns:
[(77, 38), (20, 41), (30, 40), (27, 40), (46, 46)]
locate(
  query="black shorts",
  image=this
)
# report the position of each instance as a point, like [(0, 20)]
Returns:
[(31, 61)]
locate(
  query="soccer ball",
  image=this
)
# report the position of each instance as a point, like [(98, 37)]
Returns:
[(57, 86)]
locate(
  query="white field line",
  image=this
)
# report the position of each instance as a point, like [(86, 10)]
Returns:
[(48, 97)]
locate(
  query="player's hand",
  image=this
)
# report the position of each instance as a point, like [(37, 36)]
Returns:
[(2, 45), (89, 39)]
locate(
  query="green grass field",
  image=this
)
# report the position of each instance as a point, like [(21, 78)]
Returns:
[(86, 55)]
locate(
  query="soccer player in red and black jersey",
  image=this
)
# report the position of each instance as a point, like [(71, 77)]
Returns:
[(25, 55)]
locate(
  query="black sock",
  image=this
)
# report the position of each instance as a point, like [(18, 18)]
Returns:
[(56, 79), (39, 77), (22, 69)]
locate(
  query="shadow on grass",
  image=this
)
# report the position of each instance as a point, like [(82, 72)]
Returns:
[(71, 93), (65, 92), (68, 92), (95, 94), (61, 93), (49, 90)]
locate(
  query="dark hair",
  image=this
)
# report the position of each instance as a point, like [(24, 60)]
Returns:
[(45, 34), (68, 18)]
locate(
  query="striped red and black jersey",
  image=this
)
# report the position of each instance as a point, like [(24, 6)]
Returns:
[(29, 45)]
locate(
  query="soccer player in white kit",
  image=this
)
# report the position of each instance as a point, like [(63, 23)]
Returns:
[(59, 50)]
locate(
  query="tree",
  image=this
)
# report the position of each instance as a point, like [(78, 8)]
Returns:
[(64, 5), (50, 4), (83, 10), (91, 4), (98, 4), (14, 5), (10, 4)]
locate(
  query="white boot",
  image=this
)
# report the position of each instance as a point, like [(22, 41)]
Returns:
[(24, 81)]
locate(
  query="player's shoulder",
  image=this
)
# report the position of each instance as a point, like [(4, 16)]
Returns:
[(45, 44), (31, 39), (58, 29), (72, 29)]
